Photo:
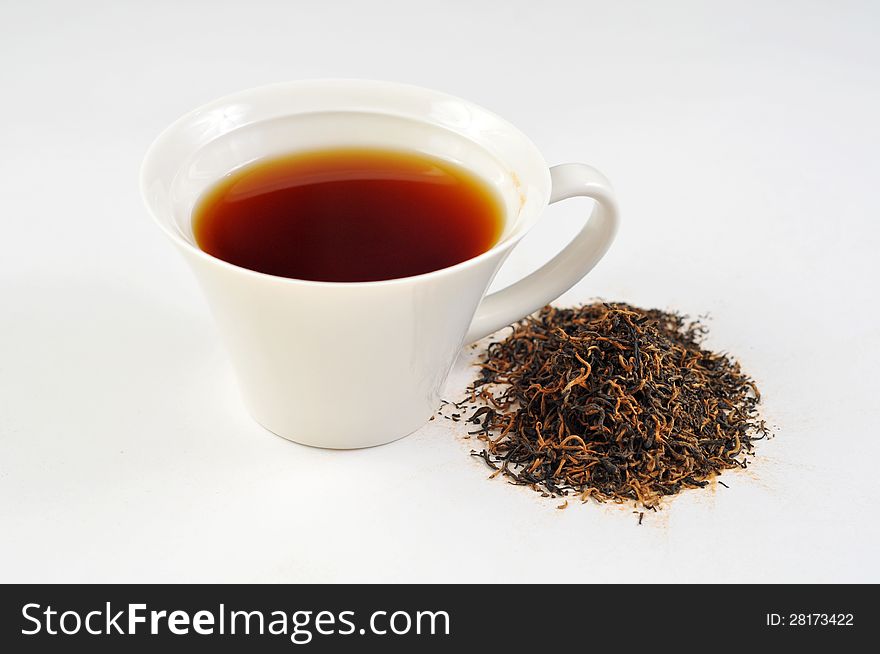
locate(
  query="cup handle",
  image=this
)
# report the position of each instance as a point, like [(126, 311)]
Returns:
[(563, 271)]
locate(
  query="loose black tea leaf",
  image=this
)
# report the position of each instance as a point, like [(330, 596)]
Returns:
[(612, 402)]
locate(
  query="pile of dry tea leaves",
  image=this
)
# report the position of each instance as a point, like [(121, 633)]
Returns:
[(612, 402)]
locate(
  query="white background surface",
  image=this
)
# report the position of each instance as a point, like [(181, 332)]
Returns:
[(742, 139)]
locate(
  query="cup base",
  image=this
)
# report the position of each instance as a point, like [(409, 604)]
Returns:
[(321, 442)]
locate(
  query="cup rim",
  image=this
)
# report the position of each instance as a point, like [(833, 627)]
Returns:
[(501, 246)]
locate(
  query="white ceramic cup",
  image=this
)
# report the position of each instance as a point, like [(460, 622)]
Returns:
[(346, 365)]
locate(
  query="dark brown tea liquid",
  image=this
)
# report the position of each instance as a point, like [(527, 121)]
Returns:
[(348, 215)]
